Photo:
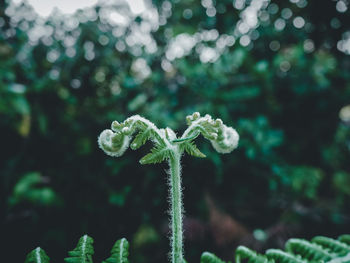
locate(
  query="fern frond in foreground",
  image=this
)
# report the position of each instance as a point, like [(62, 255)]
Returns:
[(83, 252), (318, 250), (37, 256), (244, 254), (119, 252)]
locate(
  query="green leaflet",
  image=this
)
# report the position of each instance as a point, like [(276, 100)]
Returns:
[(344, 259), (37, 256), (194, 136), (279, 256), (192, 149), (210, 258), (207, 131), (119, 252), (157, 155), (247, 255), (345, 239), (307, 250), (83, 252), (140, 139), (333, 245)]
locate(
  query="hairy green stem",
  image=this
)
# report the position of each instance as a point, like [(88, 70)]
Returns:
[(176, 208)]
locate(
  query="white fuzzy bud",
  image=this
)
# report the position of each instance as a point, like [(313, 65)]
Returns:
[(126, 130), (227, 141), (112, 143), (115, 126), (196, 115), (214, 136), (218, 122), (189, 119)]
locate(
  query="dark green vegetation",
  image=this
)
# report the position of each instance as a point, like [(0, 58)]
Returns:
[(320, 249), (283, 93)]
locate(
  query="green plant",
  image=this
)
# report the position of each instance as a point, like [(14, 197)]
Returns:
[(287, 119), (319, 250), (83, 253), (37, 256), (119, 252), (167, 146)]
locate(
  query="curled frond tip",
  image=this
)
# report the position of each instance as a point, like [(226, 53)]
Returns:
[(223, 138)]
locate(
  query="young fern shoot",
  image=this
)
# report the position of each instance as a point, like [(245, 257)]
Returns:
[(169, 147)]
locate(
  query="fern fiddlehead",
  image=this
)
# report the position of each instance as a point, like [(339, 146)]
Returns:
[(167, 146)]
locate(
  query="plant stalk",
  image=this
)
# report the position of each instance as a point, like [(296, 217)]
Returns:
[(176, 208)]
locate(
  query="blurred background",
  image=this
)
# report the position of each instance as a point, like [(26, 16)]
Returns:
[(277, 71)]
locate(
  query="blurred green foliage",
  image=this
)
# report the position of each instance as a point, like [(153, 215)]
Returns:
[(282, 92), (27, 190)]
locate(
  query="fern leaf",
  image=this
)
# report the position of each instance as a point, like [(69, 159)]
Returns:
[(210, 258), (83, 252), (37, 255), (279, 256), (140, 139), (333, 245), (187, 139), (192, 149), (307, 250), (157, 155), (344, 259), (345, 239), (119, 252), (249, 256)]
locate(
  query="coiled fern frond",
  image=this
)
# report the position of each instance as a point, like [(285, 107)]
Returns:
[(83, 252), (119, 252), (37, 255), (115, 141)]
